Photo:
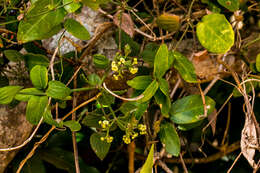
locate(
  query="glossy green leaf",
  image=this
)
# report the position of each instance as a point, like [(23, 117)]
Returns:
[(258, 62), (76, 29), (13, 55), (41, 22), (215, 33), (101, 148), (32, 60), (161, 61), (169, 137), (94, 4), (231, 5), (101, 61), (190, 109), (163, 101), (58, 90), (186, 127), (150, 91), (71, 6), (140, 82), (27, 93), (149, 53), (184, 67), (141, 108), (73, 125), (39, 76), (148, 165), (169, 22), (8, 93), (35, 109)]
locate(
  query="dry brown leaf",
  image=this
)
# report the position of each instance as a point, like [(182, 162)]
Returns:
[(213, 119), (249, 141), (126, 24)]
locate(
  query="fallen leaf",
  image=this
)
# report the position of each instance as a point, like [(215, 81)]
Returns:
[(212, 117), (126, 23)]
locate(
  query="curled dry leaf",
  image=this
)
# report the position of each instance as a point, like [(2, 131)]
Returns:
[(126, 23), (249, 141), (213, 117)]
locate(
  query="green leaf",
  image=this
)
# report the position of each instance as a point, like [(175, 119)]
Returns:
[(148, 165), (161, 61), (47, 118), (94, 4), (32, 60), (168, 22), (128, 107), (101, 148), (101, 61), (140, 82), (150, 91), (248, 86), (163, 101), (92, 119), (215, 33), (35, 109), (76, 29), (184, 67), (13, 55), (149, 53), (106, 99), (71, 6), (258, 62), (190, 109), (142, 107), (231, 5), (186, 127), (94, 80), (73, 125), (39, 76), (40, 22), (169, 137), (8, 93), (27, 93), (58, 90)]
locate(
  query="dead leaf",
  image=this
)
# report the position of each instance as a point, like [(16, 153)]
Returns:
[(126, 24), (201, 56), (249, 141), (213, 119)]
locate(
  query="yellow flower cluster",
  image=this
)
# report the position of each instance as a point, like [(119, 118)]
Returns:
[(131, 134), (104, 124), (142, 129), (133, 70), (109, 139)]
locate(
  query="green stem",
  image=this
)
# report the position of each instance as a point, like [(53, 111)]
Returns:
[(82, 89)]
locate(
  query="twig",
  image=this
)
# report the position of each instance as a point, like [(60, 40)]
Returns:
[(175, 88), (183, 164), (227, 124), (52, 62), (164, 166), (210, 85), (235, 161), (122, 98), (131, 154)]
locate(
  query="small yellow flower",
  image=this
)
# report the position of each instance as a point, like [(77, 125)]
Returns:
[(102, 138), (109, 139), (113, 63), (135, 61), (133, 70), (126, 139), (134, 135), (115, 77), (122, 60), (114, 68)]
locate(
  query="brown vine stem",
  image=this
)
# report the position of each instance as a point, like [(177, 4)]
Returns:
[(52, 128), (131, 154)]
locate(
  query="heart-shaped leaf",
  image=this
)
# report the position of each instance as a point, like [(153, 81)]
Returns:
[(190, 109), (101, 148), (215, 33), (169, 137)]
